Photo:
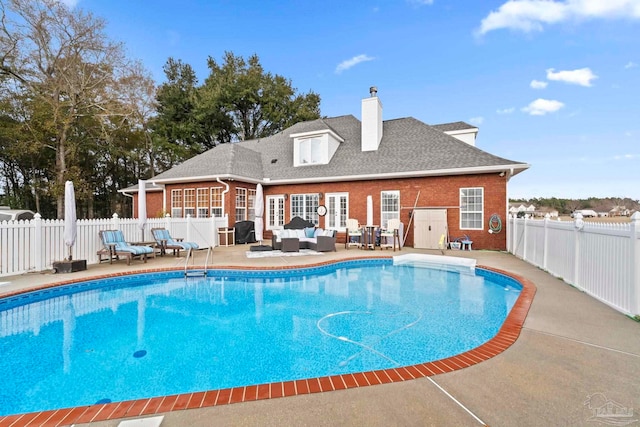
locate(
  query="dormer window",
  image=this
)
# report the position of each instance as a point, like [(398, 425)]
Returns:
[(314, 148), (310, 151)]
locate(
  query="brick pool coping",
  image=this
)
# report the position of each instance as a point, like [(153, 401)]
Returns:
[(505, 337)]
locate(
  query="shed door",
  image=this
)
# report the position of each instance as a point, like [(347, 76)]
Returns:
[(428, 226)]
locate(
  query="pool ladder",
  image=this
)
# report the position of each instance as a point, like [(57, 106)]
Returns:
[(195, 273)]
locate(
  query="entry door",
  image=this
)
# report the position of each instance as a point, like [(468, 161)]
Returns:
[(336, 218), (428, 226), (275, 212)]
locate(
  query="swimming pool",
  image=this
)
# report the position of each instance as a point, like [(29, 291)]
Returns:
[(158, 334)]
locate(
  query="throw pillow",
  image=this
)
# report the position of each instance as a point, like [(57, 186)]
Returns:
[(308, 232), (318, 232), (299, 234), (328, 233)]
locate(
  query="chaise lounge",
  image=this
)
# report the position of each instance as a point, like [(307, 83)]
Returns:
[(115, 247), (300, 234), (165, 241)]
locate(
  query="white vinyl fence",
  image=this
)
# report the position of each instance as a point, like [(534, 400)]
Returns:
[(601, 259), (34, 245)]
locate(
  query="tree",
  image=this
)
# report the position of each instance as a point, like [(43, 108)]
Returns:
[(254, 103), (175, 127), (61, 63)]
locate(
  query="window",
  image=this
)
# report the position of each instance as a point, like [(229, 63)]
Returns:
[(389, 206), (217, 209), (471, 208), (251, 213), (310, 151), (305, 206), (202, 201), (176, 203), (190, 202), (241, 204)]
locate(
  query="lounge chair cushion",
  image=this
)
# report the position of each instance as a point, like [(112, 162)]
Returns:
[(163, 234), (116, 238)]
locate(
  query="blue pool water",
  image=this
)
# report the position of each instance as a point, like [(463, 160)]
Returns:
[(158, 334)]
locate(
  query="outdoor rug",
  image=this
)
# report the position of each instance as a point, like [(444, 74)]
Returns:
[(271, 254)]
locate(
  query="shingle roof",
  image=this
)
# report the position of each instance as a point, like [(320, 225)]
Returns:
[(448, 127), (409, 147)]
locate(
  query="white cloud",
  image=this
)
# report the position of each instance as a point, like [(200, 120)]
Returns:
[(476, 120), (537, 84), (540, 107), (505, 110), (532, 15), (630, 64), (626, 157), (420, 2), (345, 65), (581, 77)]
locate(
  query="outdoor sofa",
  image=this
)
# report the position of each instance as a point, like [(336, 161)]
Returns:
[(300, 234)]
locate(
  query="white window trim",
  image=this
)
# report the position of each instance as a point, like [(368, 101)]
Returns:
[(397, 192), (481, 212), (275, 198)]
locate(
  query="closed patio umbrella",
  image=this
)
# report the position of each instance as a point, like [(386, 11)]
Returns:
[(259, 213), (142, 206), (70, 220), (369, 210)]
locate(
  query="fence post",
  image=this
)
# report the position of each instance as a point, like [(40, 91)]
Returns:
[(524, 237), (634, 253), (36, 250), (214, 232), (167, 222), (115, 222), (578, 224), (514, 233), (545, 242), (189, 225)]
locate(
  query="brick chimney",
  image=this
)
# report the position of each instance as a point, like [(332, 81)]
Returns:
[(371, 121)]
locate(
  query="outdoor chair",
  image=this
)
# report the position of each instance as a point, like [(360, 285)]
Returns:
[(165, 241), (115, 247), (354, 234), (392, 232)]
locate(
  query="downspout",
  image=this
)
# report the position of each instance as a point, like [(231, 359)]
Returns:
[(225, 191), (132, 207)]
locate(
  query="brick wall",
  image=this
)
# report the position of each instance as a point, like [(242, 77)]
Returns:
[(435, 192)]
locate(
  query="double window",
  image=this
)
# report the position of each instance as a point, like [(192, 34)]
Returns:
[(471, 208), (310, 151), (245, 204)]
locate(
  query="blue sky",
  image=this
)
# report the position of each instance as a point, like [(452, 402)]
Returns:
[(555, 84)]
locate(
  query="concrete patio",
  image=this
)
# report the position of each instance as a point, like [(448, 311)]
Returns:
[(572, 347)]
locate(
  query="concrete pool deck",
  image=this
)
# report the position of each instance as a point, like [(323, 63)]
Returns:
[(574, 356)]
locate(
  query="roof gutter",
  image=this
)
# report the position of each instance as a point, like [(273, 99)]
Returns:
[(514, 169)]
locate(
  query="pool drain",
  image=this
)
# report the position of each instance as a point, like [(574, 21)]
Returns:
[(140, 353)]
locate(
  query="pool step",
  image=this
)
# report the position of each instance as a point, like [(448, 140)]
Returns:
[(195, 273), (143, 422)]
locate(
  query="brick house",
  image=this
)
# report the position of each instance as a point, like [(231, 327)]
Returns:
[(432, 178)]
